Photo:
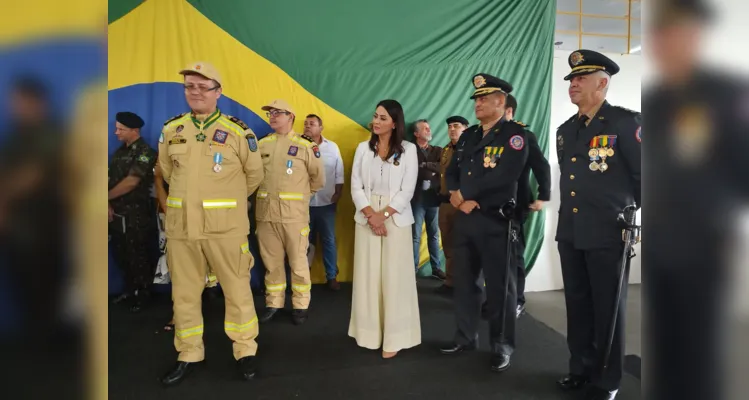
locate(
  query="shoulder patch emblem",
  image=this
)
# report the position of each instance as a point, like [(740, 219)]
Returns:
[(517, 142), (293, 150), (238, 122), (638, 134), (252, 142), (316, 150), (143, 158), (180, 128)]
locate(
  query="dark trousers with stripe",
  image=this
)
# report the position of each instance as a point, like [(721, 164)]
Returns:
[(590, 285)]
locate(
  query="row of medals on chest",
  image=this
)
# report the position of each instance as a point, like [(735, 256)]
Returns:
[(600, 153)]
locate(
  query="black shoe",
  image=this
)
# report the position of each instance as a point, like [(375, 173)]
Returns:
[(119, 299), (594, 393), (247, 368), (268, 314), (438, 273), (520, 310), (178, 373), (136, 307), (299, 316), (573, 382), (500, 362), (334, 285), (445, 290), (455, 348)]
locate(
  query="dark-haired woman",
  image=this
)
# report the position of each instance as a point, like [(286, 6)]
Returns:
[(385, 308)]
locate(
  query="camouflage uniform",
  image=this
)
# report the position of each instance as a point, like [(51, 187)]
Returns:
[(133, 248)]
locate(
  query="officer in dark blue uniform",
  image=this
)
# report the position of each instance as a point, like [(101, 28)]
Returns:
[(599, 157), (482, 179), (539, 165)]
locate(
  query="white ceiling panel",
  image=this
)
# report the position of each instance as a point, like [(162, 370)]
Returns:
[(566, 22), (603, 25), (636, 27), (605, 44), (568, 5), (616, 8), (606, 26), (566, 42)]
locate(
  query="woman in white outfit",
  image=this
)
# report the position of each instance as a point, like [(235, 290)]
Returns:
[(385, 308)]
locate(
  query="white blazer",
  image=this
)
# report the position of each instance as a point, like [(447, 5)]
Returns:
[(402, 183)]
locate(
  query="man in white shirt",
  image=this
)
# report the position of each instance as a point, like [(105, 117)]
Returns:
[(322, 208)]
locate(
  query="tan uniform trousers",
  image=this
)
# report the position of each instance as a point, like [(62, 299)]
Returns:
[(277, 240), (447, 220), (231, 261)]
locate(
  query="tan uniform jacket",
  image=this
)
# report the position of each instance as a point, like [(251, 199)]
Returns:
[(445, 158), (284, 196), (202, 203)]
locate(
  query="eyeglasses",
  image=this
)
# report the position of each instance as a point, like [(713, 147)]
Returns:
[(276, 113), (201, 89)]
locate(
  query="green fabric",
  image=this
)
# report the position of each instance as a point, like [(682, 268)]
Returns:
[(351, 54), (119, 8)]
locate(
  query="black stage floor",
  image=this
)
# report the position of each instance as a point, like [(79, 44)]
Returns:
[(319, 361)]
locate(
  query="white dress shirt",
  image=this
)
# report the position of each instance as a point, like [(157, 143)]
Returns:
[(380, 176), (333, 167), (401, 182)]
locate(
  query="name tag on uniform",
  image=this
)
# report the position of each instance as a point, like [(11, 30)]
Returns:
[(178, 140)]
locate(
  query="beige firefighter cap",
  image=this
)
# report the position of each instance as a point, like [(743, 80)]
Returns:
[(279, 104), (204, 69)]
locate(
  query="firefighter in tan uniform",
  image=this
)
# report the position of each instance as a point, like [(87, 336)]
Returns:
[(455, 127), (212, 165), (293, 173)]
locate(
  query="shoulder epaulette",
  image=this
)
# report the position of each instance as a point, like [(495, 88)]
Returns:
[(521, 123), (627, 110), (307, 138), (237, 121), (170, 120), (570, 119)]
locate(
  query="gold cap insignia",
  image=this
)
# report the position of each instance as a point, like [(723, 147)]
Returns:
[(576, 58), (479, 81)]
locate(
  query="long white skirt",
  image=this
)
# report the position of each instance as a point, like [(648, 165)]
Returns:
[(385, 305)]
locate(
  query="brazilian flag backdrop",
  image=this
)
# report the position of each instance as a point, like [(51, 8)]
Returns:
[(336, 59)]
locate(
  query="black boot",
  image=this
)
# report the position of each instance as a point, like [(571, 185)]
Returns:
[(247, 367), (455, 348), (299, 316), (140, 300), (500, 362), (594, 393), (268, 314), (178, 373), (572, 382)]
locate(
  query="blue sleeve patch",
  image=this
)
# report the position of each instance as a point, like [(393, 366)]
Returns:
[(252, 142)]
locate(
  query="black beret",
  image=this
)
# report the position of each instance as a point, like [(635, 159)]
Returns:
[(31, 86), (130, 120), (486, 84), (457, 118), (584, 62)]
